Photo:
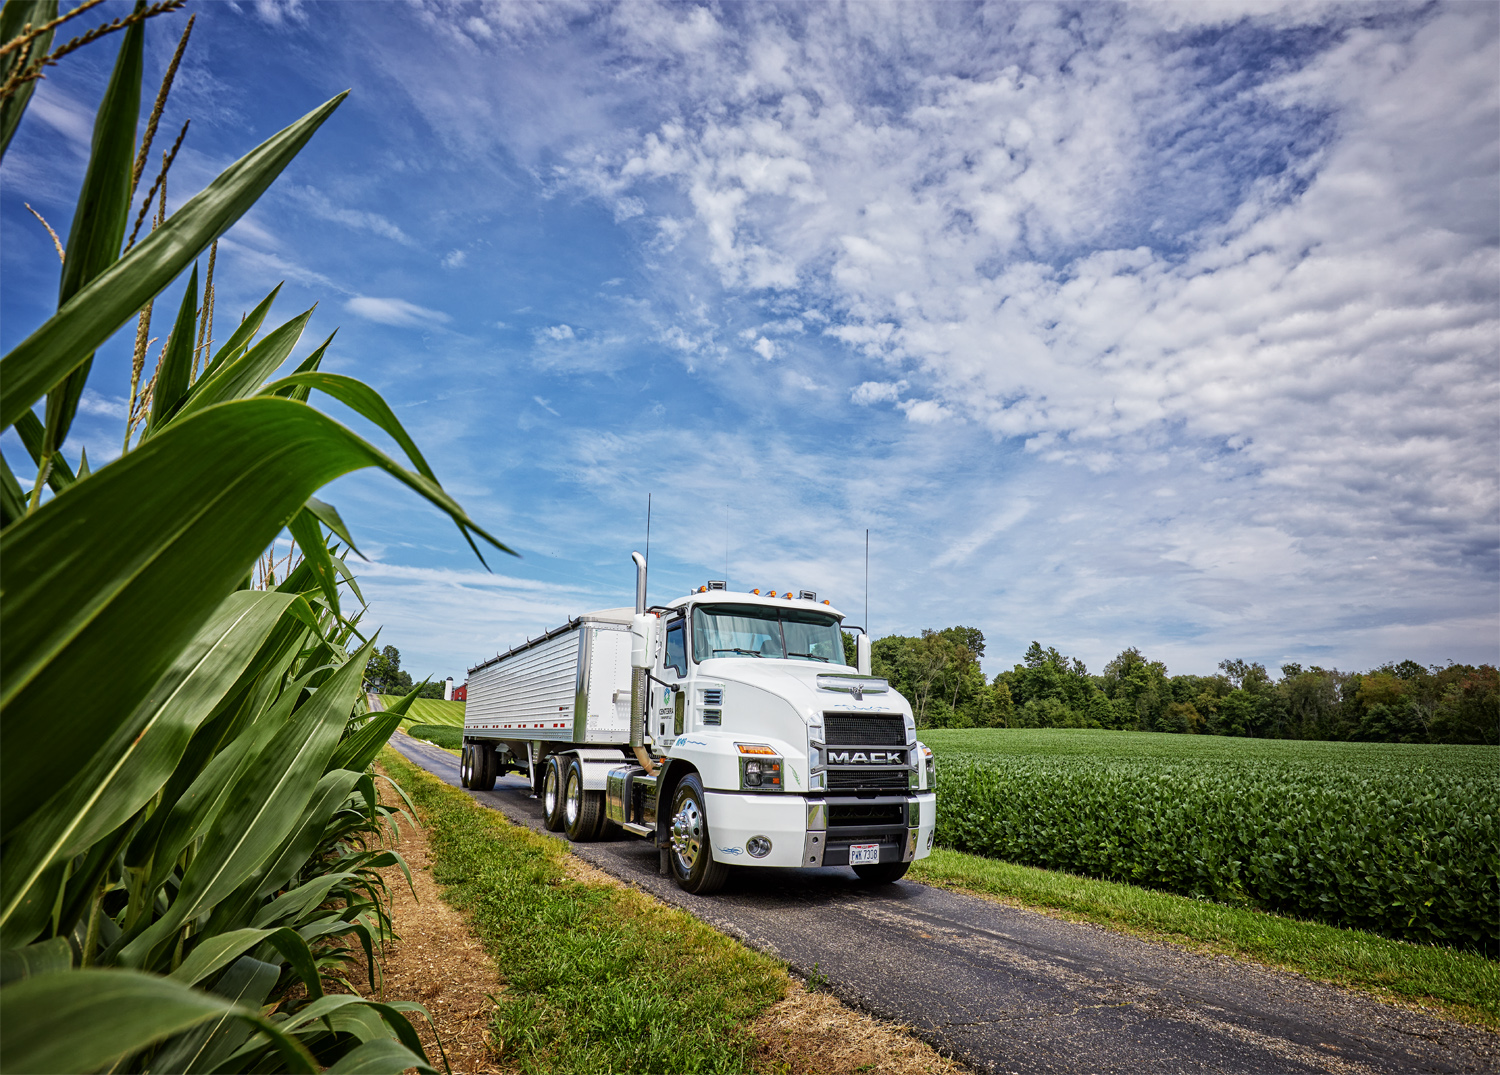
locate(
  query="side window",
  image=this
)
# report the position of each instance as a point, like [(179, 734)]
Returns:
[(676, 649)]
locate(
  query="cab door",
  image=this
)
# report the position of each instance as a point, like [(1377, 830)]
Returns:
[(669, 696)]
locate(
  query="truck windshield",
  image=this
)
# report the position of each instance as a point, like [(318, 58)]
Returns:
[(756, 631)]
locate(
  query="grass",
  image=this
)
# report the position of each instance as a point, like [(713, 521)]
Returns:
[(429, 711), (444, 735), (1464, 985), (599, 977)]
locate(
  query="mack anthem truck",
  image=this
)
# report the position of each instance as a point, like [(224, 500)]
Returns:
[(724, 727)]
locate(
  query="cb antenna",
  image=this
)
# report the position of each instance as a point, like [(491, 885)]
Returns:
[(648, 535), (867, 580)]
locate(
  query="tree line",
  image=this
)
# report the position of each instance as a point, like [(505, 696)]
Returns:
[(1403, 702), (384, 675)]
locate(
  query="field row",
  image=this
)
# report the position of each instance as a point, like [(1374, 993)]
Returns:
[(1409, 851)]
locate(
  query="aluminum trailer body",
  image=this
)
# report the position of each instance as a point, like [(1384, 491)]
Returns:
[(723, 726)]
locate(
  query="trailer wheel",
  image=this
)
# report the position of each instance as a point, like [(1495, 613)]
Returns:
[(552, 793), (482, 769), (883, 874), (466, 765), (691, 853), (583, 810)]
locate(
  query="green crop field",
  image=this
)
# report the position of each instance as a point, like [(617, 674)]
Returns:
[(429, 711), (1398, 839)]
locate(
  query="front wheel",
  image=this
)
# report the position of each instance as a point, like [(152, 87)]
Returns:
[(883, 874), (691, 853)]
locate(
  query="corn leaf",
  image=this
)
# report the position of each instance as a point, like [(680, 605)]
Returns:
[(379, 1057), (127, 770), (176, 368), (33, 434), (243, 333), (262, 806), (103, 210), (244, 375), (102, 586), (96, 312), (328, 515), (44, 957), (123, 1012), (309, 537), (13, 19)]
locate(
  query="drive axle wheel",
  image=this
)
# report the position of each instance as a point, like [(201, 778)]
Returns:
[(552, 793), (583, 810), (466, 766), (691, 853)]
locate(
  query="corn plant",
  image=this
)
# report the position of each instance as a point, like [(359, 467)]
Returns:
[(189, 831)]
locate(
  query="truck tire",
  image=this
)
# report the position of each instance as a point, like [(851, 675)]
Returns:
[(466, 765), (482, 770), (883, 874), (691, 853), (553, 777), (583, 810)]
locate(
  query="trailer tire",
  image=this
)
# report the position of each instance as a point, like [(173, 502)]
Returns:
[(482, 770), (553, 776), (691, 853), (583, 810), (466, 765), (883, 874)]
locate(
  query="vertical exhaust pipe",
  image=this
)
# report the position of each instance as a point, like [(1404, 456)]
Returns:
[(639, 696)]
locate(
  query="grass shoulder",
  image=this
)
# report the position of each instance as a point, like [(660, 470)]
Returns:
[(598, 977), (1461, 985)]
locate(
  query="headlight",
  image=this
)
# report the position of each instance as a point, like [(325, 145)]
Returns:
[(760, 767)]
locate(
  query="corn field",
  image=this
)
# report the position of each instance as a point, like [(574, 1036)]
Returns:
[(1407, 845), (190, 827)]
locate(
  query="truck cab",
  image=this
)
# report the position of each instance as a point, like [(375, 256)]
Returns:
[(767, 748)]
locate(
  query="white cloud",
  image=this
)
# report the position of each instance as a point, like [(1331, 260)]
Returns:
[(455, 259), (1092, 254), (877, 392), (321, 206), (765, 348), (397, 312), (557, 333)]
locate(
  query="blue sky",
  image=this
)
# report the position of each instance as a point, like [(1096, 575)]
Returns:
[(1171, 326)]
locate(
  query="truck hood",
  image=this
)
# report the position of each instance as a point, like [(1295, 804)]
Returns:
[(797, 683)]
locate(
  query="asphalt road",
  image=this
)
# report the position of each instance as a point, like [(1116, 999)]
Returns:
[(1008, 990)]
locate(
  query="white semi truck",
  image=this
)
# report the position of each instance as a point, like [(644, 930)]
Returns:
[(724, 727)]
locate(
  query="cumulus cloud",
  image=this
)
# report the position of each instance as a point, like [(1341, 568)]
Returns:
[(557, 333), (397, 312), (455, 259), (1104, 251)]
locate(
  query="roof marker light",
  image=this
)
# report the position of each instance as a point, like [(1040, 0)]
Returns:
[(756, 592)]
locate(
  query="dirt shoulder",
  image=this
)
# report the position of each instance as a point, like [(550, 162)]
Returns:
[(439, 962)]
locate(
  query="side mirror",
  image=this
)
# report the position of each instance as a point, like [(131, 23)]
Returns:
[(643, 629), (862, 653)]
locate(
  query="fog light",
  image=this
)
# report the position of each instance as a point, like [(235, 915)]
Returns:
[(758, 846)]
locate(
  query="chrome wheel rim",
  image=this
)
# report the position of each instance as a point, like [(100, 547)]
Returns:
[(573, 803), (466, 767), (688, 832), (549, 791)]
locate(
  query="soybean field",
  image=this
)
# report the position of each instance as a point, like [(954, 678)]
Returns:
[(1398, 839)]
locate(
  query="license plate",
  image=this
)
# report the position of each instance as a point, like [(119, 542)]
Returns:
[(864, 854)]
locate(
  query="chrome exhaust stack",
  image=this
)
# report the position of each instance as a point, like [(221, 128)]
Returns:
[(643, 632)]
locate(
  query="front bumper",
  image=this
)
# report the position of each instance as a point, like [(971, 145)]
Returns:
[(808, 831)]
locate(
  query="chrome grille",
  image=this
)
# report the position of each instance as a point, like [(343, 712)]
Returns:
[(866, 778), (861, 730)]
